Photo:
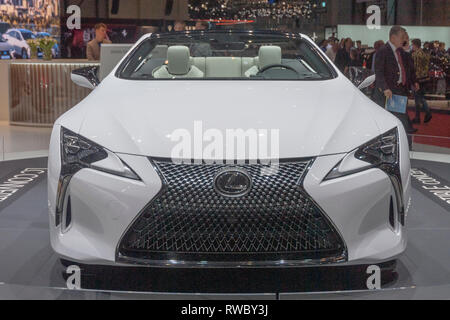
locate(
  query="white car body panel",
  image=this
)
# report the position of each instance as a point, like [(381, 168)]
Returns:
[(363, 225), (315, 126)]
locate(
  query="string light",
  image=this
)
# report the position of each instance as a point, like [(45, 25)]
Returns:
[(251, 9)]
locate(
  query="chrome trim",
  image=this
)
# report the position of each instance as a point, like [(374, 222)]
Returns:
[(64, 228), (396, 181), (236, 170), (232, 264), (398, 192), (61, 198)]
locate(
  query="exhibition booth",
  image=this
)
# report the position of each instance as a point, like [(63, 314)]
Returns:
[(96, 204), (39, 92)]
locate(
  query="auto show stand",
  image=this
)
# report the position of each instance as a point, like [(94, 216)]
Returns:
[(30, 269), (38, 91)]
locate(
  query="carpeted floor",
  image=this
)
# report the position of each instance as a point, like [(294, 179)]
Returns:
[(438, 129)]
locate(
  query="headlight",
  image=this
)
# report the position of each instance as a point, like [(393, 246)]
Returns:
[(381, 152), (78, 153)]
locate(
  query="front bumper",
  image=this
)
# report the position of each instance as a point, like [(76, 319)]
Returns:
[(104, 206)]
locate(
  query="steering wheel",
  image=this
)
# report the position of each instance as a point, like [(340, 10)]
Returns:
[(277, 65)]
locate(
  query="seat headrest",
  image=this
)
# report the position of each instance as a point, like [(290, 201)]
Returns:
[(178, 60), (268, 55)]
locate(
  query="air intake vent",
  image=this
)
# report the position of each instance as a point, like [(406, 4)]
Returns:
[(391, 214), (68, 213)]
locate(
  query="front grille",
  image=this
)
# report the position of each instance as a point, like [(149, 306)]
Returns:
[(190, 220)]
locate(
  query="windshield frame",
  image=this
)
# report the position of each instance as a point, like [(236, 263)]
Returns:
[(333, 72)]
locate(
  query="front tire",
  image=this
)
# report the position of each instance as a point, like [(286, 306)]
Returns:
[(24, 54)]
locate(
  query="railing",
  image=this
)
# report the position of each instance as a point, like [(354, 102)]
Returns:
[(42, 91)]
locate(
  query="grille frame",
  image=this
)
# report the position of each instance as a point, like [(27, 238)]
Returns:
[(232, 259)]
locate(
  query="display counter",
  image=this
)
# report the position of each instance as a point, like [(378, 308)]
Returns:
[(40, 91)]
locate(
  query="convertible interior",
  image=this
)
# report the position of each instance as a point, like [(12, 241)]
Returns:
[(177, 61), (181, 64)]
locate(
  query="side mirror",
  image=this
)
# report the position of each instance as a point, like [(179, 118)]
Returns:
[(86, 77), (367, 82)]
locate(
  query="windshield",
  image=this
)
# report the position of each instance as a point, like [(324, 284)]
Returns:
[(42, 35), (225, 55), (27, 35)]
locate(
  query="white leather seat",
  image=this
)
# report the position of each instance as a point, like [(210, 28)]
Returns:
[(223, 67), (234, 67), (179, 65), (267, 55)]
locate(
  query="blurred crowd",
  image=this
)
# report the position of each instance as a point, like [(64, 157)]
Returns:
[(250, 9), (32, 23), (346, 53), (403, 68)]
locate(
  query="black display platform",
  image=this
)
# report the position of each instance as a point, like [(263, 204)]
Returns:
[(29, 269)]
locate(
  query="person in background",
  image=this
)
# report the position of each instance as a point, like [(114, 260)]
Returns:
[(377, 45), (391, 74), (67, 41), (331, 41), (93, 47), (434, 48), (421, 65), (78, 45), (332, 51), (343, 56), (179, 26), (411, 83), (359, 52), (323, 45), (355, 61), (201, 25), (201, 49)]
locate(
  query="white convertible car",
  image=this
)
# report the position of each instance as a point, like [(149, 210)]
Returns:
[(125, 188)]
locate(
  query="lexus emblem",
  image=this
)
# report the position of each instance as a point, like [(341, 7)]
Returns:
[(232, 182)]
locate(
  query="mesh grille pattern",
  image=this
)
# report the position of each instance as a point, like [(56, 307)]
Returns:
[(189, 216)]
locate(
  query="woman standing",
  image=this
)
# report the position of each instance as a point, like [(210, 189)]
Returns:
[(343, 59)]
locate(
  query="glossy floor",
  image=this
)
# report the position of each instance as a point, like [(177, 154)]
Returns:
[(29, 269), (19, 142)]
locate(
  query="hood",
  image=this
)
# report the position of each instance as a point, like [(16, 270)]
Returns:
[(140, 117)]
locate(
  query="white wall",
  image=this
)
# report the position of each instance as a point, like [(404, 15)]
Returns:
[(361, 32)]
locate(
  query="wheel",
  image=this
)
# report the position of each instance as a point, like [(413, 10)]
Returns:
[(24, 54)]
